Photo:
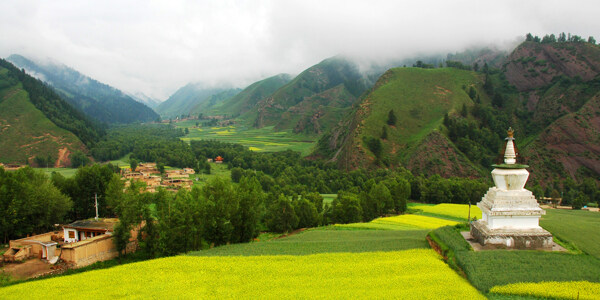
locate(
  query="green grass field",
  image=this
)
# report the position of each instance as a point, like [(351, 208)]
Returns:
[(576, 226), (325, 241), (216, 170), (260, 140), (66, 172), (328, 198)]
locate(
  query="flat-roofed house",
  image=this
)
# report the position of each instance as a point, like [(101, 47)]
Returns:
[(85, 229)]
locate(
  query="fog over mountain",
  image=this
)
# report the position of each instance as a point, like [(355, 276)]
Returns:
[(157, 47)]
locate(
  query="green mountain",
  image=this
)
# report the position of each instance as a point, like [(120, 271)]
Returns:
[(304, 104), (419, 99), (36, 123), (189, 99), (247, 99), (452, 122), (97, 100)]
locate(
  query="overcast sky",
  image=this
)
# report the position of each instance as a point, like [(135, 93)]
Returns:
[(155, 47)]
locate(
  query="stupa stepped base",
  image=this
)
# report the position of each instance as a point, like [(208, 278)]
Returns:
[(510, 238), (497, 202)]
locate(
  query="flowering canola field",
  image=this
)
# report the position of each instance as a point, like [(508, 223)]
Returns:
[(415, 273), (552, 289), (460, 211), (402, 222)]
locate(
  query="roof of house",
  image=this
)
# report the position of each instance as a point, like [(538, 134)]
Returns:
[(101, 224)]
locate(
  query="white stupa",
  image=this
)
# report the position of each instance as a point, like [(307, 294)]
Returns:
[(510, 213)]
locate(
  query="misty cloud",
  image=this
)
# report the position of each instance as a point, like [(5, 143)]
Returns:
[(157, 47)]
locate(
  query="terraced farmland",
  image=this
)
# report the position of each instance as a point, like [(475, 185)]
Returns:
[(261, 139)]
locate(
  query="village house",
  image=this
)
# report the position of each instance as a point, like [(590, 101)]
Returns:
[(85, 229), (79, 244), (218, 160)]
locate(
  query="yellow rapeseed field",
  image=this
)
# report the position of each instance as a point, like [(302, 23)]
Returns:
[(451, 210), (403, 222), (415, 273), (552, 289)]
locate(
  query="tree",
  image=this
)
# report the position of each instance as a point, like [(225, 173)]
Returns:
[(281, 216), (529, 37), (464, 112), (472, 93), (382, 198), (384, 133), (247, 218), (400, 191), (133, 163), (29, 203), (307, 213), (236, 174), (79, 159), (187, 131), (591, 40), (375, 146), (346, 208), (316, 199), (391, 120)]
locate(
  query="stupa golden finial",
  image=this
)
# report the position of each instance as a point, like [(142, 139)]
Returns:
[(510, 132)]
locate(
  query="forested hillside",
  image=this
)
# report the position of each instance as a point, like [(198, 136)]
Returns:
[(37, 125), (452, 121), (97, 100)]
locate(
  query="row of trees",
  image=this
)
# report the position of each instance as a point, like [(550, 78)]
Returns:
[(29, 203), (562, 38)]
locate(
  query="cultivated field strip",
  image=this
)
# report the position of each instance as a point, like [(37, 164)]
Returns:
[(415, 273)]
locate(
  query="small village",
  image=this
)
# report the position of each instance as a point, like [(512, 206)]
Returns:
[(85, 242)]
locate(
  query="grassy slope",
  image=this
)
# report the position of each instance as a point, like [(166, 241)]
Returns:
[(25, 132), (577, 227), (419, 98), (326, 240)]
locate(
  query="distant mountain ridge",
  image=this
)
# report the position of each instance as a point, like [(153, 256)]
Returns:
[(190, 98), (99, 101), (143, 98)]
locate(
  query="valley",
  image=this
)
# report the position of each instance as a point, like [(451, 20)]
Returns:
[(343, 181)]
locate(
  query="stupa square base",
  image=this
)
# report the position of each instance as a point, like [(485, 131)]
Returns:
[(531, 238)]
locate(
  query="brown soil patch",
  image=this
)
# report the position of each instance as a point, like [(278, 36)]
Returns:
[(291, 233), (28, 269), (63, 158)]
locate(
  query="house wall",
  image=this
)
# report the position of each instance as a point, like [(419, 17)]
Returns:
[(68, 239), (98, 248), (87, 252)]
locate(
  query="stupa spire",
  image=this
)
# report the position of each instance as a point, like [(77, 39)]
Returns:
[(510, 157)]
